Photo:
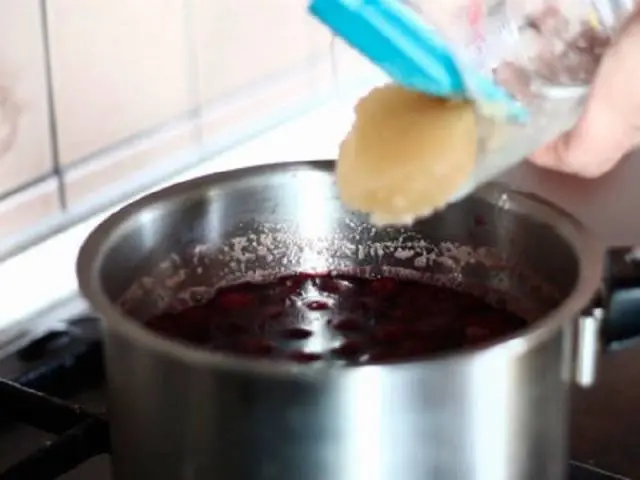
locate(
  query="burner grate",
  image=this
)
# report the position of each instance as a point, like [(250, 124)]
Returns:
[(58, 364), (83, 435)]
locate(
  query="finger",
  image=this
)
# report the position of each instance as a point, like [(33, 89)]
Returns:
[(588, 150), (596, 144)]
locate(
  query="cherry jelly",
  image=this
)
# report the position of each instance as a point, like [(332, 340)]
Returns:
[(351, 320)]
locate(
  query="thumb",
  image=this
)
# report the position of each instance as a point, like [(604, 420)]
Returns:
[(595, 145)]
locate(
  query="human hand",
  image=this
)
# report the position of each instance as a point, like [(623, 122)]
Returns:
[(610, 124)]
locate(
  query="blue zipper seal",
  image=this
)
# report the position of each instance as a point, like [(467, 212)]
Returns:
[(397, 40)]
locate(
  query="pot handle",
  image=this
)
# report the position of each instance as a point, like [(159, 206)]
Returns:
[(612, 321)]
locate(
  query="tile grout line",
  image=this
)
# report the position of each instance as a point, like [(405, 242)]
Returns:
[(199, 153), (51, 104)]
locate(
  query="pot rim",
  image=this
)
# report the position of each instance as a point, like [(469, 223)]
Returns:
[(589, 251)]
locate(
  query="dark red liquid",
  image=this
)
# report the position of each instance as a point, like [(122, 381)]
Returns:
[(309, 318)]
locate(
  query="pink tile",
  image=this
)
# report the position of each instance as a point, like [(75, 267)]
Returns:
[(25, 142), (118, 69)]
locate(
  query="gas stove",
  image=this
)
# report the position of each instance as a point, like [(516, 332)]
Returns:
[(53, 420)]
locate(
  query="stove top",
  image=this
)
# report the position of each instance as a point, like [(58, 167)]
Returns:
[(53, 421)]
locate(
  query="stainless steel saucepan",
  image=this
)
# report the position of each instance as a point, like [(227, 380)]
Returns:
[(498, 413)]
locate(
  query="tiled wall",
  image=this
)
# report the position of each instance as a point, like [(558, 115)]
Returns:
[(101, 98)]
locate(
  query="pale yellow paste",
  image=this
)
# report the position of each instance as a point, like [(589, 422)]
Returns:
[(406, 154)]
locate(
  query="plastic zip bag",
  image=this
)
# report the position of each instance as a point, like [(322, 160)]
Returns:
[(488, 32), (545, 52)]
